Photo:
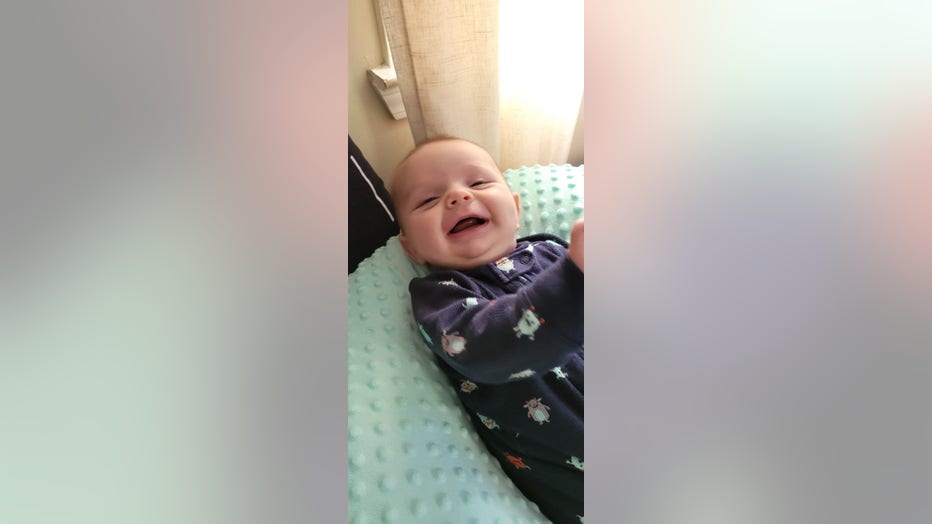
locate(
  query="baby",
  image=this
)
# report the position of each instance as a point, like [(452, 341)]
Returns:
[(504, 316)]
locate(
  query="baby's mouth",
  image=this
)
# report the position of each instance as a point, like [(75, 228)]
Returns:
[(467, 223)]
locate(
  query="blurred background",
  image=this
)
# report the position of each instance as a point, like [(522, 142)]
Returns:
[(162, 217), (761, 354), (758, 307)]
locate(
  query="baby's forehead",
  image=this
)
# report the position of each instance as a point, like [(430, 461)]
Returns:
[(400, 180), (434, 163), (402, 184)]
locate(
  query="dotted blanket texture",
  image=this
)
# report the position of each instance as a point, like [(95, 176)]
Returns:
[(413, 454)]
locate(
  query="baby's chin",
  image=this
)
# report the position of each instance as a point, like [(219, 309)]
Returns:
[(479, 259)]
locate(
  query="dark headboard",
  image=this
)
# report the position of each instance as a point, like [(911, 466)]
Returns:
[(371, 212)]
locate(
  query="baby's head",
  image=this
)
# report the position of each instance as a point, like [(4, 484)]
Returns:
[(454, 207)]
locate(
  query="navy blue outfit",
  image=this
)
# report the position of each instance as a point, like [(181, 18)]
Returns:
[(509, 336)]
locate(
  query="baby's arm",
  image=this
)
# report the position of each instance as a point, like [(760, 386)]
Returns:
[(493, 340), (577, 244)]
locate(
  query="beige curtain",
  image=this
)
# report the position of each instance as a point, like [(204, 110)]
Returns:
[(506, 74)]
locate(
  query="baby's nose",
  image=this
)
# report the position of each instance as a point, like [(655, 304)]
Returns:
[(458, 196)]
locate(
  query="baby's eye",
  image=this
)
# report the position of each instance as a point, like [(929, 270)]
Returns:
[(427, 201), (478, 183)]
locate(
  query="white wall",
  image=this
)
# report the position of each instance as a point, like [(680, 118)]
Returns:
[(383, 140), (576, 156)]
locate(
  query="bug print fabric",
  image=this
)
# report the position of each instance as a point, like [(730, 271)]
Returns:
[(509, 336)]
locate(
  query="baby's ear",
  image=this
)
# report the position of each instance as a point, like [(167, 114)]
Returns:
[(517, 202), (412, 254)]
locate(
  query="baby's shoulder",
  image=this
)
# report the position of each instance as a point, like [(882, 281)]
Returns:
[(447, 281), (545, 247), (544, 240), (450, 279)]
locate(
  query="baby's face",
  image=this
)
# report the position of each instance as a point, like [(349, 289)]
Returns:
[(454, 207)]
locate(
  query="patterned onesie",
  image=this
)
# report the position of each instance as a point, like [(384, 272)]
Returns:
[(509, 336)]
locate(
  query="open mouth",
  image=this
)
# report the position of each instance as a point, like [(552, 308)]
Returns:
[(467, 223)]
